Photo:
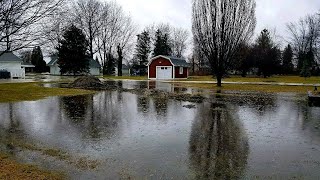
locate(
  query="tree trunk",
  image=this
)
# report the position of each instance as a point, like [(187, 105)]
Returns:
[(120, 58), (219, 80)]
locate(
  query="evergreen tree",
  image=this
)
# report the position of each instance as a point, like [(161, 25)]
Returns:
[(287, 57), (26, 56), (162, 44), (143, 48), (243, 59), (305, 70), (307, 60), (37, 60), (72, 52), (267, 55)]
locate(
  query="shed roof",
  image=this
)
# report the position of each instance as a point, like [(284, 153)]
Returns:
[(125, 66), (53, 61), (9, 57), (178, 62), (92, 62), (26, 64)]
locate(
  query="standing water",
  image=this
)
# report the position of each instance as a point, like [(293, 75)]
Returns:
[(116, 134)]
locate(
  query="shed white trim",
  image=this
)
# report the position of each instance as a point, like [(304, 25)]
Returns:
[(160, 56)]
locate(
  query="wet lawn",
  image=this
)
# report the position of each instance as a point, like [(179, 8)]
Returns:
[(14, 92)]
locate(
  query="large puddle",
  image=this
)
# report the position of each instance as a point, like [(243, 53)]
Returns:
[(113, 134)]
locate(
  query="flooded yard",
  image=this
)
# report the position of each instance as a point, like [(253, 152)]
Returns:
[(117, 134)]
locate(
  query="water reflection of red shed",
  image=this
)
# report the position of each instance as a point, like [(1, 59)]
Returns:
[(167, 67)]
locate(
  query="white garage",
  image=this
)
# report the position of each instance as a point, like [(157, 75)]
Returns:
[(164, 72)]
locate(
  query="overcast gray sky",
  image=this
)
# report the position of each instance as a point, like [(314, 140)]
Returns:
[(273, 14)]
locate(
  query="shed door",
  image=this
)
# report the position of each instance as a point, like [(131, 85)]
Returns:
[(164, 72)]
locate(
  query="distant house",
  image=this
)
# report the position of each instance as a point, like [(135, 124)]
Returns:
[(94, 66), (29, 68), (13, 64), (167, 67)]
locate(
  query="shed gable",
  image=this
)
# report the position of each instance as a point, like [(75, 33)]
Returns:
[(160, 61)]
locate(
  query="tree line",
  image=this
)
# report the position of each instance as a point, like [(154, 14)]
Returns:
[(161, 39), (110, 34), (223, 31), (222, 36)]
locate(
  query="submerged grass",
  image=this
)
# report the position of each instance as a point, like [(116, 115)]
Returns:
[(251, 88), (126, 77), (13, 92), (82, 163), (275, 79), (10, 169)]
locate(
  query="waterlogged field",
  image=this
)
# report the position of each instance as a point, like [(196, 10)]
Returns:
[(134, 134)]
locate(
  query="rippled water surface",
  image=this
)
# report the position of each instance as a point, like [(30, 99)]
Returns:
[(116, 134)]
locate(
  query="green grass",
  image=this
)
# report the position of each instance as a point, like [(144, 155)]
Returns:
[(276, 79), (32, 91), (126, 77)]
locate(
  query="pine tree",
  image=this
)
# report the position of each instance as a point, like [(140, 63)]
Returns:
[(143, 48), (37, 60), (162, 44), (72, 52), (305, 70), (287, 65), (267, 55)]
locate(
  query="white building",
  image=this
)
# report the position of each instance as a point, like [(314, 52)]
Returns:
[(94, 66), (12, 64)]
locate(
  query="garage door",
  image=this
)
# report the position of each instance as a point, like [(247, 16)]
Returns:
[(164, 72)]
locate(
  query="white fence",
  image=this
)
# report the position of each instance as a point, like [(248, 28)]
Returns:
[(17, 73)]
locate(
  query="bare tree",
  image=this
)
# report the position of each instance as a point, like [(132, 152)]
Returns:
[(305, 35), (179, 39), (125, 38), (87, 17), (219, 26), (18, 21), (53, 28), (106, 37), (115, 35)]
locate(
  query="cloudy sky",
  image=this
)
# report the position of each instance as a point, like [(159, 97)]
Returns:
[(273, 14)]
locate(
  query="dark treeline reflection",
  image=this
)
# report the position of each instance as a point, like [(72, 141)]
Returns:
[(218, 145), (143, 104), (96, 119), (160, 105), (76, 107), (12, 130)]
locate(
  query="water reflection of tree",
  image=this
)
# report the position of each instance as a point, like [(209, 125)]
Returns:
[(143, 104), (95, 116), (161, 105), (76, 107), (12, 131), (218, 147)]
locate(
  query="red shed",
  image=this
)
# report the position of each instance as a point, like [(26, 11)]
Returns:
[(167, 67)]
